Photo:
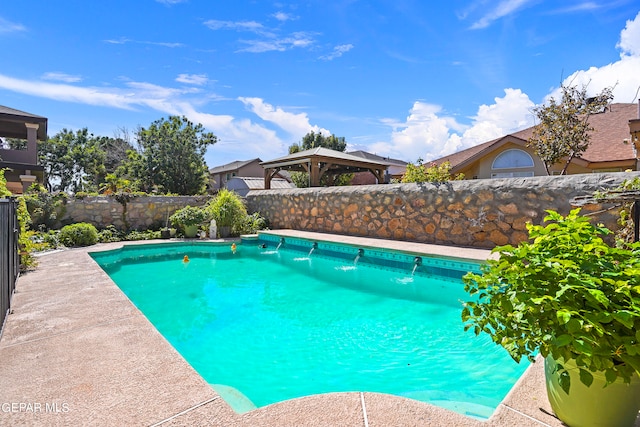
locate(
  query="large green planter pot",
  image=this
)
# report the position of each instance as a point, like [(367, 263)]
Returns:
[(190, 230), (616, 405)]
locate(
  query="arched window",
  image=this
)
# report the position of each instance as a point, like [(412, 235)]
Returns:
[(512, 159)]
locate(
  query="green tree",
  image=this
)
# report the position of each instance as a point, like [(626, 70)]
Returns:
[(433, 173), (114, 184), (72, 161), (115, 150), (313, 140), (16, 143), (563, 130), (170, 157)]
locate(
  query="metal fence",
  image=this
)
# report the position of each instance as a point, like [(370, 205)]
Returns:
[(9, 257)]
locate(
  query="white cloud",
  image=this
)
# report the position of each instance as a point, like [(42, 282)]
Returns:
[(429, 134), (252, 26), (65, 92), (623, 75), (164, 44), (338, 51), (297, 125), (171, 2), (504, 8), (629, 42), (282, 16), (295, 40), (121, 40), (125, 40), (424, 132), (270, 39), (509, 113), (192, 79), (61, 77), (10, 27), (237, 139)]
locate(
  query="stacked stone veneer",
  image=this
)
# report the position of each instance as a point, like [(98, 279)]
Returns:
[(477, 213), (139, 213)]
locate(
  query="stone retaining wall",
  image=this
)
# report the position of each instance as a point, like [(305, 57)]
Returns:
[(475, 213), (139, 213)]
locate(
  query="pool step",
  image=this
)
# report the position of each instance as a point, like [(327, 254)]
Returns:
[(234, 397)]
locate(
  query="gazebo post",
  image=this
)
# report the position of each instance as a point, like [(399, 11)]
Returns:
[(315, 173), (379, 174), (267, 179)]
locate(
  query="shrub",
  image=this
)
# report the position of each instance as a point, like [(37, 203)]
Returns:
[(45, 208), (142, 235), (47, 239), (27, 261), (626, 230), (252, 223), (80, 234), (227, 209), (565, 293), (109, 234), (188, 216), (433, 173)]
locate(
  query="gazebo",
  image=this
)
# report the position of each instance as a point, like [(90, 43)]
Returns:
[(320, 161)]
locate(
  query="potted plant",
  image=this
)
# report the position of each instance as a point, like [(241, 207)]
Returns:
[(228, 211), (575, 299), (189, 218)]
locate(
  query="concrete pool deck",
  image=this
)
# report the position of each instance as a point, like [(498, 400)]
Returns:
[(76, 351)]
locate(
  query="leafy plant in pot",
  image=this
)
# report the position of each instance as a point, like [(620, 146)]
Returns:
[(575, 299), (189, 218), (228, 211)]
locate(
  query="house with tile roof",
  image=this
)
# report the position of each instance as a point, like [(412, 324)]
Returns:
[(612, 148)]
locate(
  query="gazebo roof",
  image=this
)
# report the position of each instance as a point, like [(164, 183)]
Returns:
[(12, 123), (318, 153), (318, 161)]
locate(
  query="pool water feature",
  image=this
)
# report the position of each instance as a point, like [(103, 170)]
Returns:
[(267, 324)]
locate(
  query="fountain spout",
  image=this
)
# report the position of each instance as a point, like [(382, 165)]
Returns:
[(417, 262), (280, 244), (313, 248), (360, 255)]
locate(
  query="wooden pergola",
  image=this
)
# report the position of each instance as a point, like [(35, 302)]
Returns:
[(320, 161)]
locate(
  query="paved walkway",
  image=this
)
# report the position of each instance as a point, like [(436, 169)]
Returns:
[(76, 351)]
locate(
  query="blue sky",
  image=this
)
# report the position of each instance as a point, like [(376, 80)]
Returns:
[(399, 78)]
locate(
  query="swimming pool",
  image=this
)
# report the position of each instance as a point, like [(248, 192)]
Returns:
[(291, 319)]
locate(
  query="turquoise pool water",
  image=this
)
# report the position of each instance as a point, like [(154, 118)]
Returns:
[(262, 326)]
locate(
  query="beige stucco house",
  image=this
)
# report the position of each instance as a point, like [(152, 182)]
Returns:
[(612, 148), (220, 175)]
